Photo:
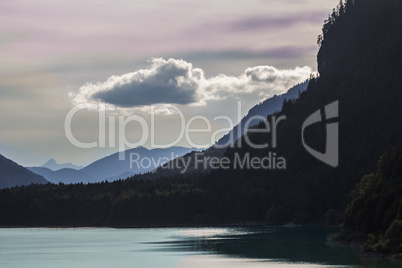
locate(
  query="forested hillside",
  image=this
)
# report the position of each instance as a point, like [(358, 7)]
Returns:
[(374, 214), (359, 64)]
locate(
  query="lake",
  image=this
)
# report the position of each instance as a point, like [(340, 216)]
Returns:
[(251, 246)]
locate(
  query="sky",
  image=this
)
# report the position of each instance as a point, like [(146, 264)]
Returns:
[(125, 60)]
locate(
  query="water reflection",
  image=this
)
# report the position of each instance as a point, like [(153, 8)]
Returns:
[(261, 244), (251, 247)]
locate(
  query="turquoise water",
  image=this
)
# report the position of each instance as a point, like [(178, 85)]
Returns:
[(176, 247)]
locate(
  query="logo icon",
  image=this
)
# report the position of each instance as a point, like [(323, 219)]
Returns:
[(331, 155)]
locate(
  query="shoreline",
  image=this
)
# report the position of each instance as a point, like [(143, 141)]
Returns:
[(370, 255)]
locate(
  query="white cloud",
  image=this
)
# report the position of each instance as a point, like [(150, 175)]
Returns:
[(176, 81)]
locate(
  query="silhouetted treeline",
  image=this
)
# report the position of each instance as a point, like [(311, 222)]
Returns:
[(195, 199)]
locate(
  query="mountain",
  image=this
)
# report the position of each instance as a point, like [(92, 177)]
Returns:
[(188, 164), (12, 174), (136, 161), (64, 175), (360, 74), (110, 168), (262, 110), (53, 165)]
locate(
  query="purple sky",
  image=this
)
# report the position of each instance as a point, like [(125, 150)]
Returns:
[(50, 50)]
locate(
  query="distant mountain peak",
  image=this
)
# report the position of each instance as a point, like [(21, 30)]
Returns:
[(54, 165), (51, 161)]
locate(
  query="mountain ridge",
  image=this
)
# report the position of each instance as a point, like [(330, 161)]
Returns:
[(263, 109), (13, 174), (110, 168)]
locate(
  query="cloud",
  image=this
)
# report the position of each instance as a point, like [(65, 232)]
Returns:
[(164, 81), (176, 81), (261, 82)]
